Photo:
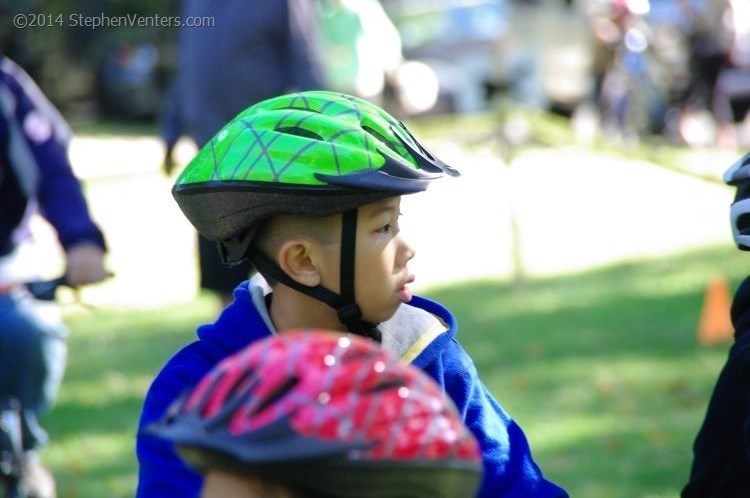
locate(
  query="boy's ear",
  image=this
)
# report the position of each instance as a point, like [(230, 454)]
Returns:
[(295, 257)]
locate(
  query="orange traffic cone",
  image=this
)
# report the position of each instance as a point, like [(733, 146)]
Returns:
[(715, 323)]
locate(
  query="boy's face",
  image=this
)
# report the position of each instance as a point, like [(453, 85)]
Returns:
[(381, 273)]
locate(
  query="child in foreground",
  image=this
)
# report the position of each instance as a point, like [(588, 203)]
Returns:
[(308, 187), (312, 413)]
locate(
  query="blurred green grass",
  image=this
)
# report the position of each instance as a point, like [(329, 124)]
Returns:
[(601, 369)]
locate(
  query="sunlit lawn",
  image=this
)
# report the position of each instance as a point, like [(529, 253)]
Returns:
[(601, 369)]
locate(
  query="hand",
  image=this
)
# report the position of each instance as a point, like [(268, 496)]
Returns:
[(85, 264)]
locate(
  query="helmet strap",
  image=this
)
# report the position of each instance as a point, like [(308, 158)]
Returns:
[(347, 309), (266, 265)]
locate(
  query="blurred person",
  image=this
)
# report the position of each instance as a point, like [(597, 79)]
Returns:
[(633, 83), (316, 413), (721, 452), (127, 81), (171, 127), (709, 43), (253, 51), (608, 23), (308, 187), (731, 96), (361, 47), (35, 173)]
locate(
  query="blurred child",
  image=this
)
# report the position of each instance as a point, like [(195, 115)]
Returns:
[(721, 453), (36, 177), (308, 187), (316, 413)]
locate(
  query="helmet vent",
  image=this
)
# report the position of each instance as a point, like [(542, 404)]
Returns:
[(279, 392), (380, 138), (301, 108), (300, 132), (386, 385), (743, 224)]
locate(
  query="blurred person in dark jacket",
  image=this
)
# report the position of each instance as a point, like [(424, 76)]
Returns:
[(35, 174), (243, 53), (721, 452)]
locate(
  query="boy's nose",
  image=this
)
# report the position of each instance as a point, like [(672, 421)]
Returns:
[(407, 252)]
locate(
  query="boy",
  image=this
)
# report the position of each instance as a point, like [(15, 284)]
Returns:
[(301, 423), (721, 463), (307, 186)]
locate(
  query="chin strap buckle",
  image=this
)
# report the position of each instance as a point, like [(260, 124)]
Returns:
[(351, 316)]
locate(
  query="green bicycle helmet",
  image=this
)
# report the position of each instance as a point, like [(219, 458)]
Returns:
[(315, 153)]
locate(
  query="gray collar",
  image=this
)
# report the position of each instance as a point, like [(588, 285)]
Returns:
[(407, 333)]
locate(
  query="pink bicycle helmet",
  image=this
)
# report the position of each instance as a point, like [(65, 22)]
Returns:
[(329, 415)]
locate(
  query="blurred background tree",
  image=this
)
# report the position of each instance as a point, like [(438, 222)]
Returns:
[(118, 71)]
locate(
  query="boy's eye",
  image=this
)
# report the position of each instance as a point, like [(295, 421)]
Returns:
[(387, 228)]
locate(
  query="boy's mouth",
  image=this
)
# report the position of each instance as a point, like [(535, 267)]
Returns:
[(404, 292)]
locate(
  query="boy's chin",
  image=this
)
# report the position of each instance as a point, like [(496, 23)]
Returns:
[(383, 317)]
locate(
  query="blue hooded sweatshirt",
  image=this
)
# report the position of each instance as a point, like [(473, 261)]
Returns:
[(422, 333)]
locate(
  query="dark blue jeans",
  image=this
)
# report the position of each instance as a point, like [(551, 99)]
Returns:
[(33, 355)]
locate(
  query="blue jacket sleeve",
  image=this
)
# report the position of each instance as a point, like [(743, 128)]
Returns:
[(58, 192), (162, 474), (509, 469)]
